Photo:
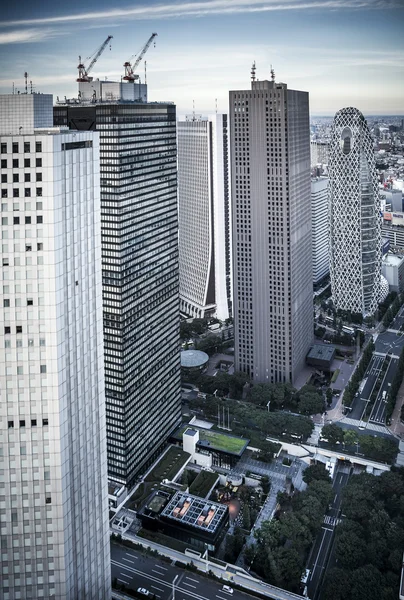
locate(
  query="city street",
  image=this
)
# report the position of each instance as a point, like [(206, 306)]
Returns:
[(134, 569), (319, 554)]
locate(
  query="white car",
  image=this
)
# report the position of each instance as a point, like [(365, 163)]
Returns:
[(305, 576), (144, 592), (228, 589)]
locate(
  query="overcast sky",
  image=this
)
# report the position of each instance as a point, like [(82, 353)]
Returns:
[(343, 52)]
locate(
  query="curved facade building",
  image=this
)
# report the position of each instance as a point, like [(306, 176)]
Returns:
[(354, 205)]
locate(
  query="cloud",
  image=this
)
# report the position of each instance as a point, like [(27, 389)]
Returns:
[(24, 36), (206, 8)]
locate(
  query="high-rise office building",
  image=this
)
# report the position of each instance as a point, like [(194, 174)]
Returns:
[(355, 223), (271, 215), (53, 488), (319, 223), (204, 217), (139, 227), (319, 153)]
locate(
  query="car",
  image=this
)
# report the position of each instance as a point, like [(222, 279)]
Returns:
[(305, 576), (228, 589), (144, 592)]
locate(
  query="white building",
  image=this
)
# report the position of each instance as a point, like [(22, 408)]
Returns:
[(53, 462), (271, 216), (355, 223), (319, 223), (393, 271), (204, 217)]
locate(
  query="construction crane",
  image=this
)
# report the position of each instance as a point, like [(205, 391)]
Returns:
[(130, 74), (84, 71)]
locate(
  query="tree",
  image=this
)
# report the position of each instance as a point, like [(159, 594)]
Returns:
[(337, 585), (265, 484), (246, 517), (366, 583), (350, 437), (310, 404), (350, 550), (329, 396), (333, 434), (316, 472)]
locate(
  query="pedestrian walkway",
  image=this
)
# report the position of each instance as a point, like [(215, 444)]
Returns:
[(368, 426)]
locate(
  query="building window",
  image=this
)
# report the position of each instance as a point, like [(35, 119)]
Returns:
[(39, 219), (39, 191), (3, 149), (18, 329), (27, 220), (38, 146), (45, 421), (33, 422), (7, 330), (22, 423), (39, 176), (27, 162), (27, 147), (10, 424), (38, 162), (42, 368)]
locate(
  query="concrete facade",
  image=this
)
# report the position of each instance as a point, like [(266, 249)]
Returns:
[(271, 216), (204, 217), (319, 222), (53, 458)]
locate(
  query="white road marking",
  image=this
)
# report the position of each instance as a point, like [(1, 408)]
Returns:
[(160, 567), (318, 555), (127, 559), (131, 555), (157, 588), (158, 572), (190, 584), (190, 579)]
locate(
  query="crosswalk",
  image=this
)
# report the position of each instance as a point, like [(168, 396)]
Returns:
[(370, 426), (333, 521)]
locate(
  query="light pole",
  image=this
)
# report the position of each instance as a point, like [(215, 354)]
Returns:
[(174, 580), (207, 557)]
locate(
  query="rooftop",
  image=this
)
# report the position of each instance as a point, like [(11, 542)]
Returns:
[(195, 512), (215, 440), (393, 260), (322, 352), (193, 358)]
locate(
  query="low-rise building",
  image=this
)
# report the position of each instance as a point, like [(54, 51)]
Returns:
[(393, 271)]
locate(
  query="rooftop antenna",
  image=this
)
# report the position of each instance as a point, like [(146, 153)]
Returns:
[(26, 82), (30, 84), (145, 72), (216, 104), (13, 88), (253, 68), (272, 74), (193, 110)]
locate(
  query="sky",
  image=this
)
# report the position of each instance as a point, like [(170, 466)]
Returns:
[(343, 52)]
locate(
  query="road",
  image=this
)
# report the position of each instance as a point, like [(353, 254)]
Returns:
[(369, 379), (321, 549), (378, 414), (134, 569)]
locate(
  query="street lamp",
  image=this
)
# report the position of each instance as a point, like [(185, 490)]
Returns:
[(207, 557), (174, 580)]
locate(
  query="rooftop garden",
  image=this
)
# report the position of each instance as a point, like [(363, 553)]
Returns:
[(216, 439), (166, 468), (203, 483)]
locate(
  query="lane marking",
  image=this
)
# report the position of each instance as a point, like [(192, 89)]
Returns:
[(318, 554), (125, 582), (190, 579), (157, 588), (158, 572), (190, 584), (127, 559), (131, 555), (160, 567)]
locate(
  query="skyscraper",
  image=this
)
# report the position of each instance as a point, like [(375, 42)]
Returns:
[(204, 217), (53, 488), (355, 223), (271, 215), (319, 221), (139, 227)]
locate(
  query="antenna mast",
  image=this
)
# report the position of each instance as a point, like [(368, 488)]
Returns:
[(26, 82), (272, 74), (253, 71)]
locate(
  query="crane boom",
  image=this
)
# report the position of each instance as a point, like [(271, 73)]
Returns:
[(83, 71), (129, 69)]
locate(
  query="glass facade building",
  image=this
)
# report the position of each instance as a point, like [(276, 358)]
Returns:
[(139, 225)]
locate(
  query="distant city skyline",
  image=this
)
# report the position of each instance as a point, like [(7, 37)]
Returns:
[(343, 52)]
